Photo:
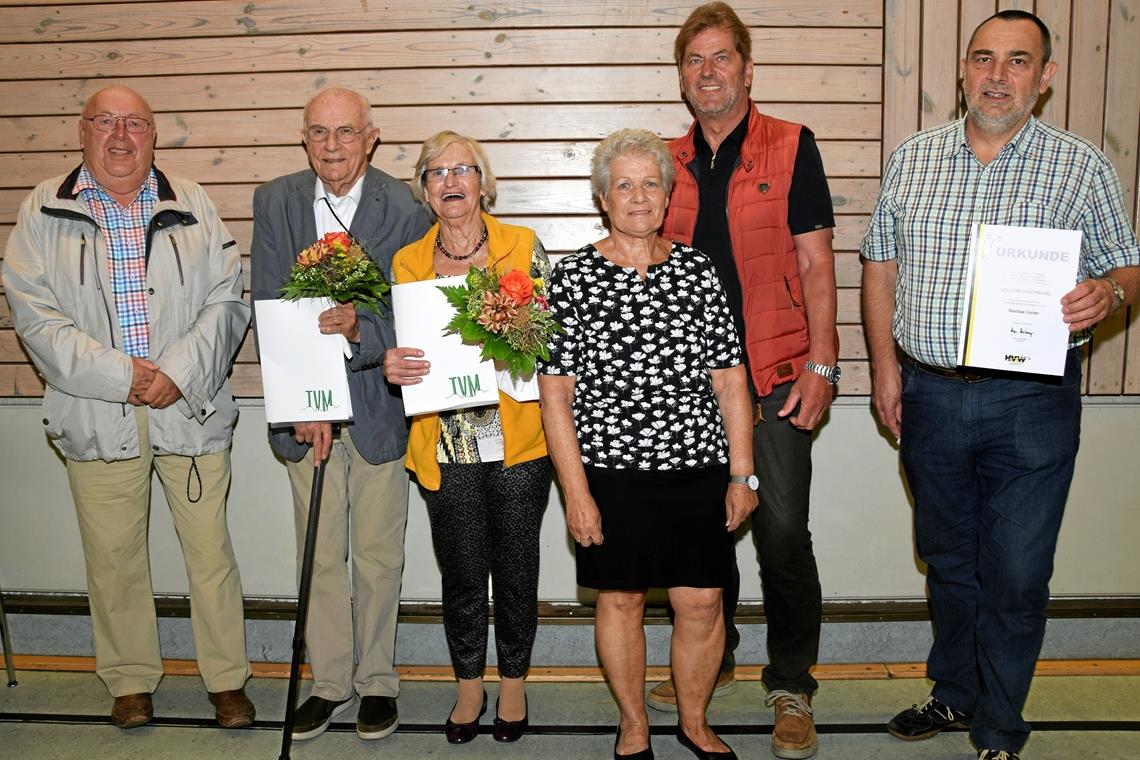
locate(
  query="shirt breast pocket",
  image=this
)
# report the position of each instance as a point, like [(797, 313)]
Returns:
[(1028, 214)]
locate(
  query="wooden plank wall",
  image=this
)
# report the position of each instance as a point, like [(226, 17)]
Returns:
[(539, 82)]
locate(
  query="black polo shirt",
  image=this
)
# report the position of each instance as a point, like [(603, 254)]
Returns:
[(809, 203)]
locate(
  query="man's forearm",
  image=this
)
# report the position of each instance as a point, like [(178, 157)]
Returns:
[(817, 277), (878, 310)]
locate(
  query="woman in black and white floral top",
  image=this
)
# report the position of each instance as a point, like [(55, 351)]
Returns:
[(646, 408)]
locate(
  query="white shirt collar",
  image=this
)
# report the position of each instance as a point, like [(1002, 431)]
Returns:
[(345, 207)]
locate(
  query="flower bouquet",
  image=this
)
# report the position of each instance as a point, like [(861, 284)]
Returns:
[(336, 267), (507, 314)]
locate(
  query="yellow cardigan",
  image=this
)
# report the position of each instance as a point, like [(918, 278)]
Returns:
[(509, 247)]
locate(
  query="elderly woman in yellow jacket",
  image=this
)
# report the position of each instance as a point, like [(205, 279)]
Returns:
[(484, 471)]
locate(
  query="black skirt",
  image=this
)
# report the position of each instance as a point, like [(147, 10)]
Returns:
[(661, 528)]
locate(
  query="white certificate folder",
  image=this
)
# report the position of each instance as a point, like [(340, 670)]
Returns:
[(1011, 309), (302, 370), (459, 377)]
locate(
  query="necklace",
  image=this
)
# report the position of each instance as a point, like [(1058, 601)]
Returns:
[(448, 254)]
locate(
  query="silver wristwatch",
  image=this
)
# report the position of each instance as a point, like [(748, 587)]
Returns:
[(1117, 294), (751, 481), (831, 374)]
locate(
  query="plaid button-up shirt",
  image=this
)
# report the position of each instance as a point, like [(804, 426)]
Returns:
[(124, 229), (934, 189)]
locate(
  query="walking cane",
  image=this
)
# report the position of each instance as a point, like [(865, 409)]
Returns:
[(302, 608), (6, 639)]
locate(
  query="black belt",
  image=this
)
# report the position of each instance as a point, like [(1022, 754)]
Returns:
[(965, 374)]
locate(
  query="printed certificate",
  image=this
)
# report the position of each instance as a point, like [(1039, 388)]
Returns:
[(459, 376), (1011, 315), (302, 370)]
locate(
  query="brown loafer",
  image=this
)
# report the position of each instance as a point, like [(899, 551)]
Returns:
[(132, 710), (232, 709)]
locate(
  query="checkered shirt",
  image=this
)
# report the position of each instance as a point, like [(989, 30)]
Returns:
[(934, 189), (124, 229)]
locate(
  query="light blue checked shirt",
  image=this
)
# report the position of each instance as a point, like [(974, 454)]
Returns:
[(934, 189), (124, 230)]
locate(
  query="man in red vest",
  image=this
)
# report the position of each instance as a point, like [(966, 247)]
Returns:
[(751, 193)]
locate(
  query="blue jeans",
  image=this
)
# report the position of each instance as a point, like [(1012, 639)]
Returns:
[(989, 465)]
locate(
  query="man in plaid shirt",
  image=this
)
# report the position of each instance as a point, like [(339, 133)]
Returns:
[(988, 455), (125, 288)]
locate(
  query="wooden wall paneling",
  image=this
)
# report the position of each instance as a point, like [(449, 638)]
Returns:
[(382, 50), (79, 23), (1056, 14), (1121, 135), (902, 25), (1087, 75), (245, 129), (940, 57), (460, 86), (1087, 62)]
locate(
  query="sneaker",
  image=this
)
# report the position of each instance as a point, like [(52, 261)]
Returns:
[(663, 696), (926, 719), (313, 717), (377, 717), (793, 736), (997, 754)]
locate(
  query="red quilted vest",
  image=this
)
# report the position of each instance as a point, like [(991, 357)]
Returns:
[(762, 245)]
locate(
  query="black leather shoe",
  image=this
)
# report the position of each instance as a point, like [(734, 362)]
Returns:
[(377, 717), (703, 754), (511, 730), (314, 715), (645, 754), (926, 719), (461, 733)]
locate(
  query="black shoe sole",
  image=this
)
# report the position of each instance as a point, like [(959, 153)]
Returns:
[(927, 735)]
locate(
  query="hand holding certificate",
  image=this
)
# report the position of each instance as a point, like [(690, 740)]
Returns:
[(1011, 315)]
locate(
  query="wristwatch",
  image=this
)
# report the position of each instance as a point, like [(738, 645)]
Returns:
[(1117, 294), (751, 481), (830, 374)]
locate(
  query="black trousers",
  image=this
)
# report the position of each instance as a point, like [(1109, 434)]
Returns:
[(789, 576), (485, 520)]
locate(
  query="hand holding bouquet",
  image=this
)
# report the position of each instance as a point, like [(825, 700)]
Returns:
[(508, 314), (337, 267)]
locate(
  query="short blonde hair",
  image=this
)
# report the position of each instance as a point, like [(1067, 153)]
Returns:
[(437, 144), (627, 142)]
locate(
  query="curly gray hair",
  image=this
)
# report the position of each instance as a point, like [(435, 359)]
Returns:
[(626, 142)]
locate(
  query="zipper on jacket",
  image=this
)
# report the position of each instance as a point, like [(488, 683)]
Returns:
[(82, 256), (791, 297), (177, 259)]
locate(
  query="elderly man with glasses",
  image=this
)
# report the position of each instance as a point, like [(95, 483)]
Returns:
[(351, 632), (126, 289)]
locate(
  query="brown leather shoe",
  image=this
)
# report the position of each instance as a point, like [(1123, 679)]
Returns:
[(663, 696), (132, 710), (232, 709), (794, 733)]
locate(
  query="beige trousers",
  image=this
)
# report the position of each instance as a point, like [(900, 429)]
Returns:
[(364, 510), (112, 503)]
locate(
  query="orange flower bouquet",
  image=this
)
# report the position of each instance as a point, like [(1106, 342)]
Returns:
[(337, 267), (507, 314)]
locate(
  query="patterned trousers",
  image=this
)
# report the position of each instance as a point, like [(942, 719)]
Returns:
[(485, 519)]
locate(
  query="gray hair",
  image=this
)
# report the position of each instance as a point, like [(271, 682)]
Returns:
[(431, 150), (626, 142), (361, 102)]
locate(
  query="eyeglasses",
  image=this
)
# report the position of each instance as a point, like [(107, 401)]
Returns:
[(106, 122), (344, 134), (461, 171)]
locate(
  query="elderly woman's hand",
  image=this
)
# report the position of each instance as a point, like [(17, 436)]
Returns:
[(402, 368), (584, 520), (739, 502)]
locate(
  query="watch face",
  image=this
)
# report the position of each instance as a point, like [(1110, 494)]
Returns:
[(836, 372), (753, 482)]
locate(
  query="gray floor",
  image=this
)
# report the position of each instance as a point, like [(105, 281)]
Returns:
[(576, 719)]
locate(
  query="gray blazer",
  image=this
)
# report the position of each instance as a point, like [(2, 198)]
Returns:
[(387, 219)]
